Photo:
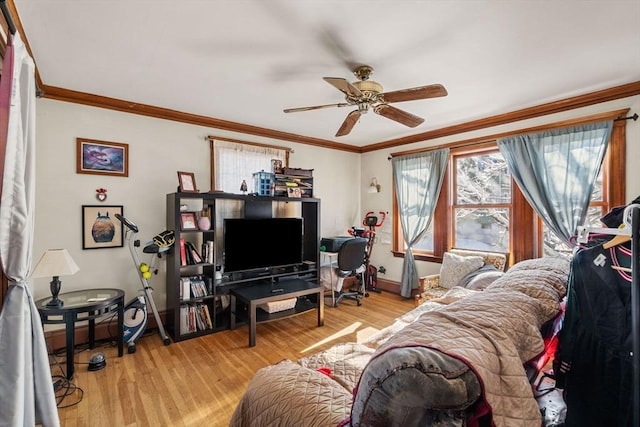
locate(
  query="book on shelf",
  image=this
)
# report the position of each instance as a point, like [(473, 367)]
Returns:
[(198, 287), (183, 253), (185, 319), (185, 288), (205, 314), (209, 258), (207, 252), (201, 323), (194, 317), (193, 252), (195, 287)]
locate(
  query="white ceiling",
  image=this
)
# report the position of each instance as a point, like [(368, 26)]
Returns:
[(245, 61)]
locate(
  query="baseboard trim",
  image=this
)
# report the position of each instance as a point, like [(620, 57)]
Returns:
[(56, 340), (393, 287)]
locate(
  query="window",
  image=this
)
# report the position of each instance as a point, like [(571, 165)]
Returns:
[(598, 207), (481, 201), (235, 162), (481, 208)]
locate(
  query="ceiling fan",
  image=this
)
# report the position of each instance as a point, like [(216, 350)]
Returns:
[(367, 94)]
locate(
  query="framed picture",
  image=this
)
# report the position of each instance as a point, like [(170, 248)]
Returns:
[(188, 221), (102, 157), (187, 181), (294, 192), (100, 227)]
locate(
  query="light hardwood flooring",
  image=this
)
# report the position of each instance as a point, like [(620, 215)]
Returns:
[(199, 381)]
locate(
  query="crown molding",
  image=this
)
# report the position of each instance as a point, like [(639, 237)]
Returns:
[(60, 94), (617, 92)]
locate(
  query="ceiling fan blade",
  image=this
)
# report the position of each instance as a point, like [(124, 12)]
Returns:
[(398, 115), (344, 86), (349, 123), (315, 107), (422, 92)]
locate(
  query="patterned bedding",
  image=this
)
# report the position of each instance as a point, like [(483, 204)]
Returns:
[(441, 350)]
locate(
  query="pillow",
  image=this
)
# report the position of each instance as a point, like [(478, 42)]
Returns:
[(455, 267), (483, 280), (480, 278)]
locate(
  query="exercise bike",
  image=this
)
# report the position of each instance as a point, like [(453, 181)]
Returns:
[(370, 275), (135, 312)]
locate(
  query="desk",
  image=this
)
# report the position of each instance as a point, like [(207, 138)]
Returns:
[(80, 306), (256, 294)]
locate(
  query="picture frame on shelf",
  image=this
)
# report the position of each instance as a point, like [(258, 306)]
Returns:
[(100, 228), (187, 182), (276, 166), (102, 157), (294, 192), (188, 221)]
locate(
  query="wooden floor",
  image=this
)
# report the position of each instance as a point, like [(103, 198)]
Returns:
[(199, 381)]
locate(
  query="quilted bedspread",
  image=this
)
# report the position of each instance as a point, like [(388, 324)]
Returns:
[(494, 332)]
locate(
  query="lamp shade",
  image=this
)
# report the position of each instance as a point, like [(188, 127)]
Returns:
[(55, 262)]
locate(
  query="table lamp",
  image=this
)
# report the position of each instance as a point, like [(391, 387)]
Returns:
[(55, 263)]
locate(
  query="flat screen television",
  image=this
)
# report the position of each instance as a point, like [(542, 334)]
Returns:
[(261, 243)]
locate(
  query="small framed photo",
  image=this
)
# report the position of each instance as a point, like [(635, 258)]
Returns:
[(187, 182), (276, 166), (188, 221), (102, 157), (100, 227), (294, 192)]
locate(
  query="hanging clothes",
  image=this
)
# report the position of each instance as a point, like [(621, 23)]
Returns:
[(593, 362)]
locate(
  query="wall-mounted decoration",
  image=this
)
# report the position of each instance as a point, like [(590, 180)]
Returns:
[(101, 194), (100, 227), (102, 157), (187, 182)]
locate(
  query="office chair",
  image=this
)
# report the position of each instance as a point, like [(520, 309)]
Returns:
[(351, 258)]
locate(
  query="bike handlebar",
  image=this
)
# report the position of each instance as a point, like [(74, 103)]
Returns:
[(130, 225), (378, 223)]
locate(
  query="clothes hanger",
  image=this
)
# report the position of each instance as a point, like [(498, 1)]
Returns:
[(617, 240), (625, 229)]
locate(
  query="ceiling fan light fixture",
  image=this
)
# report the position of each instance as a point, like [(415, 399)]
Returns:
[(367, 94), (368, 86), (363, 107)]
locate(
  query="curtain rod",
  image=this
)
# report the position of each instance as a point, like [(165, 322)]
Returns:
[(489, 138), (238, 141), (7, 16), (634, 118)]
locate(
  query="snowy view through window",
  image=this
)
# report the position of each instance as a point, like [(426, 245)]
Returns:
[(482, 207)]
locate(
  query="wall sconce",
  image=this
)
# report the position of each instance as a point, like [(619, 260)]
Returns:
[(374, 187)]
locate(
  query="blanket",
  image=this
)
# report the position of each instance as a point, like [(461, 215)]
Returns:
[(494, 332), (467, 357), (287, 394)]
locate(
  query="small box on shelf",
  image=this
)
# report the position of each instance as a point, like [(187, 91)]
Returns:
[(263, 183)]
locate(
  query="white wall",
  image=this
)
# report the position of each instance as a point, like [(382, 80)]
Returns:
[(376, 164), (157, 150)]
